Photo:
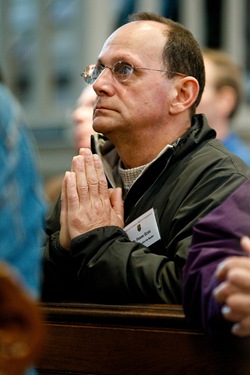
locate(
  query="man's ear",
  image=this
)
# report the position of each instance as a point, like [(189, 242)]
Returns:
[(186, 92)]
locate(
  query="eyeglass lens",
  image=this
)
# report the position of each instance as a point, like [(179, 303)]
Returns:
[(121, 70)]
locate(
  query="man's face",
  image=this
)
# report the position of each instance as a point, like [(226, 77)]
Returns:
[(83, 118), (209, 104), (139, 105)]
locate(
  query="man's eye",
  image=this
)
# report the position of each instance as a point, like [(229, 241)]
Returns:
[(124, 69), (99, 68), (97, 71)]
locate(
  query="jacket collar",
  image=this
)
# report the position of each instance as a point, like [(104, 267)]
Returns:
[(198, 133)]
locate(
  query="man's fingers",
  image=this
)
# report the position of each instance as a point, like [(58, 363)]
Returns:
[(242, 328), (72, 194), (239, 303), (90, 205), (102, 181), (230, 263), (81, 179), (64, 238), (117, 204), (245, 244), (222, 291), (235, 261), (90, 172), (240, 277), (95, 177)]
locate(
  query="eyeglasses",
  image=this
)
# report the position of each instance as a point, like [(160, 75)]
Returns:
[(121, 70)]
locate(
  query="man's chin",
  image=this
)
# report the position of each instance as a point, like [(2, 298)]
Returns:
[(101, 125)]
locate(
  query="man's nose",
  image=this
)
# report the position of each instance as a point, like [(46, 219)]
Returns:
[(104, 84), (106, 73)]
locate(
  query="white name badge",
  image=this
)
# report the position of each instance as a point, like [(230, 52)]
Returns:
[(144, 229)]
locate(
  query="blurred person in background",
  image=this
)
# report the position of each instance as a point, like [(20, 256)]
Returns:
[(21, 324), (22, 212), (221, 99), (82, 117)]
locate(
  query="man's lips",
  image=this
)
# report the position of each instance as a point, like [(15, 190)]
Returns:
[(100, 109)]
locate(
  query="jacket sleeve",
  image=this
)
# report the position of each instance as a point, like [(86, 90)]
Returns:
[(215, 237), (116, 275), (58, 282), (105, 266)]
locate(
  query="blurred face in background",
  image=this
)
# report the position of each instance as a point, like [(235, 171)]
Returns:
[(83, 117), (222, 93), (210, 103)]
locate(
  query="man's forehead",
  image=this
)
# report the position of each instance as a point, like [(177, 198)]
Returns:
[(138, 30), (136, 34)]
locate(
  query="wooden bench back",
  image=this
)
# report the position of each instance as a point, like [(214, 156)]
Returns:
[(138, 339)]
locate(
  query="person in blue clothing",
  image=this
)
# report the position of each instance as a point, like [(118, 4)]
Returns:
[(221, 99), (22, 204)]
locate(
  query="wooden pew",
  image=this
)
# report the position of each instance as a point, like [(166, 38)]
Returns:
[(134, 339)]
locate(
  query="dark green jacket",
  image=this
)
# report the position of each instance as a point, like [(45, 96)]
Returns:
[(182, 185)]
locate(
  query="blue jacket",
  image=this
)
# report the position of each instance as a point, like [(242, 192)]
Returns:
[(22, 206), (236, 145)]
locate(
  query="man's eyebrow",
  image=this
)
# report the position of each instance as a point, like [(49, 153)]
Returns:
[(123, 58)]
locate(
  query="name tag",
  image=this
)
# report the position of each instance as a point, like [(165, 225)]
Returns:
[(144, 229)]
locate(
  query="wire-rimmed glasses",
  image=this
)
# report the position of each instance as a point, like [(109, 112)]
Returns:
[(121, 70)]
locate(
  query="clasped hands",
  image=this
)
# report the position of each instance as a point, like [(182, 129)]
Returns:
[(234, 290), (86, 201)]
